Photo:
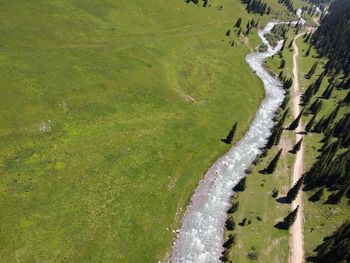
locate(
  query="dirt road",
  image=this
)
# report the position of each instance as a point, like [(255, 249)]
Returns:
[(297, 238)]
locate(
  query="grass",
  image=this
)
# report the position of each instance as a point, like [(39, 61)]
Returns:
[(261, 238), (257, 204), (110, 114), (321, 219), (260, 241)]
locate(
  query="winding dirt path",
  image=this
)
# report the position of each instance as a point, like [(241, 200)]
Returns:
[(297, 237)]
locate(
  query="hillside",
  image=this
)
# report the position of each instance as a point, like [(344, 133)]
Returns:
[(111, 111)]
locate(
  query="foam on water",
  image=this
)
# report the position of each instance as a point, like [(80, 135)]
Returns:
[(201, 237)]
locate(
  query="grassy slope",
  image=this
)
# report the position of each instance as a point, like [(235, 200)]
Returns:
[(256, 201), (271, 244), (321, 219), (126, 145)]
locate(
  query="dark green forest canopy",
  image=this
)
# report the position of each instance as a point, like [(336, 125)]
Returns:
[(335, 248), (332, 38)]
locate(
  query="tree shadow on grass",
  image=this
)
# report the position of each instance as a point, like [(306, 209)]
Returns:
[(284, 200), (281, 226)]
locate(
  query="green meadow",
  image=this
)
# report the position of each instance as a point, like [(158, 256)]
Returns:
[(111, 111), (321, 219)]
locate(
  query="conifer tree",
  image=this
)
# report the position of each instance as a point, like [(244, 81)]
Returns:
[(230, 241), (307, 38), (293, 192), (318, 83), (241, 186), (277, 131), (238, 23), (328, 92), (291, 43), (297, 146), (347, 98), (336, 198), (319, 125), (335, 248), (283, 63), (285, 102), (295, 123), (308, 52), (289, 220), (310, 124), (283, 45), (315, 106), (308, 94), (233, 208), (230, 224), (317, 196), (273, 164), (312, 70), (231, 135)]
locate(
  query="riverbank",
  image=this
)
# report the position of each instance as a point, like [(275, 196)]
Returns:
[(200, 237)]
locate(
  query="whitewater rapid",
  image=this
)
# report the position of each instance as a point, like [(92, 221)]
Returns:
[(201, 236)]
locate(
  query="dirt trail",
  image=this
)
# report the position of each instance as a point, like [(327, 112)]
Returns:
[(297, 238)]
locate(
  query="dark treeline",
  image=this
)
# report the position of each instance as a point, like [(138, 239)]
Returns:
[(330, 171), (288, 4), (335, 248), (332, 38), (331, 168), (257, 7)]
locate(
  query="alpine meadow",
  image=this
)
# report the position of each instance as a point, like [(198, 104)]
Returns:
[(125, 126)]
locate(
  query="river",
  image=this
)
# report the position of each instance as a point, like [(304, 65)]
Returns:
[(201, 236)]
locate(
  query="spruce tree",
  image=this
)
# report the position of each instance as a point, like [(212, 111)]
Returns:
[(308, 52), (273, 164), (283, 63), (318, 83), (347, 98), (307, 38), (315, 106), (297, 146), (233, 208), (241, 186), (293, 192), (277, 131), (238, 23), (291, 43), (328, 92), (336, 198), (312, 70), (318, 126), (295, 123), (289, 220), (308, 94), (231, 135), (230, 224), (310, 124), (230, 241), (317, 196), (283, 45)]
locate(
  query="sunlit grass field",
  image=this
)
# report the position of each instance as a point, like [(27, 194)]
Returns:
[(111, 111)]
